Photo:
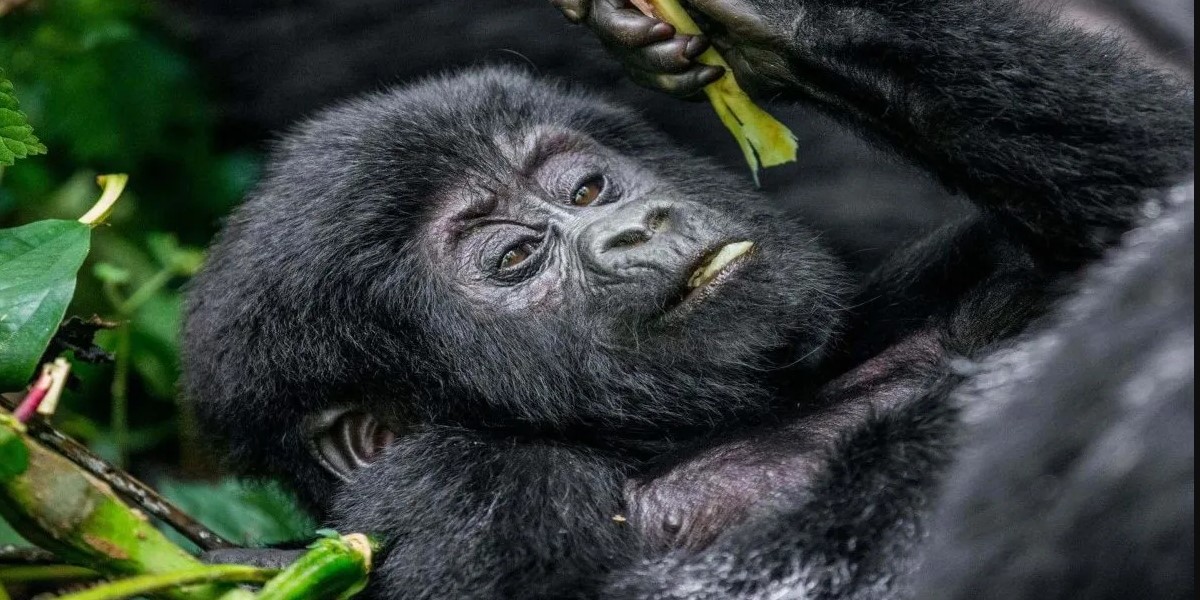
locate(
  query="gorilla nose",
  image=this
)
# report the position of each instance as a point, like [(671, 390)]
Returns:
[(633, 230)]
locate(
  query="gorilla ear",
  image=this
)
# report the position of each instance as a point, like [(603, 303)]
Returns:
[(343, 440)]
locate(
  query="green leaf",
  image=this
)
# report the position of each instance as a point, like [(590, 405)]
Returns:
[(38, 263), (110, 273), (16, 135), (14, 458), (156, 343), (8, 537), (249, 513), (165, 249)]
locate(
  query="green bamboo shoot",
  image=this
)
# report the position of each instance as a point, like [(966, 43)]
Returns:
[(54, 504)]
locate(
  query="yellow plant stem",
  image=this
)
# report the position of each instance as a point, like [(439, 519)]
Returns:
[(765, 142), (112, 184)]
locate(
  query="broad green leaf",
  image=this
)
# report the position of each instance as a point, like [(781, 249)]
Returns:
[(16, 135), (38, 263)]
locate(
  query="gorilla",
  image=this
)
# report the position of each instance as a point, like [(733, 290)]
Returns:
[(544, 352)]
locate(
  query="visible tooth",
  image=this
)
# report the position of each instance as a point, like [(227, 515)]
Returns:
[(719, 261)]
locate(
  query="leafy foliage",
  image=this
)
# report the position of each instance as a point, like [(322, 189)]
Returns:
[(16, 134), (107, 88), (38, 263), (245, 513)]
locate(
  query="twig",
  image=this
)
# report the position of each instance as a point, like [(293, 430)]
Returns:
[(26, 555), (123, 483)]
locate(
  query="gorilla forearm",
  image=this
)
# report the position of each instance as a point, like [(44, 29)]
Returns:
[(852, 535), (769, 469), (465, 516), (1051, 129)]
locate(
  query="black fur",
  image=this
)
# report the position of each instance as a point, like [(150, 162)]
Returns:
[(513, 478), (1077, 474), (278, 61), (319, 294)]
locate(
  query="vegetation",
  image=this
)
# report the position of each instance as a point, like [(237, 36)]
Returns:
[(90, 87)]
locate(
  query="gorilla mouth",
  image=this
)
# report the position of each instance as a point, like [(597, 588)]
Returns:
[(711, 269)]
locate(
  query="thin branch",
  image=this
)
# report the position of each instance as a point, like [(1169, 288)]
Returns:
[(26, 555), (123, 483)]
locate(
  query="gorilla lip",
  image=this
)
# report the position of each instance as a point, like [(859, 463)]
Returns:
[(713, 267), (716, 262)]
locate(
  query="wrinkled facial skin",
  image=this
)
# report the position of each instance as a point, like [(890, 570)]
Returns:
[(580, 225), (488, 249), (573, 262)]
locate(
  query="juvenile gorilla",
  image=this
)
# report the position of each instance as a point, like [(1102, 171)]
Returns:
[(529, 341)]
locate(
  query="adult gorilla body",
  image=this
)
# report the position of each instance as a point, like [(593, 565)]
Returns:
[(458, 313)]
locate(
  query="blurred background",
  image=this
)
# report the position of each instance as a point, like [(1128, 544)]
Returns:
[(186, 96)]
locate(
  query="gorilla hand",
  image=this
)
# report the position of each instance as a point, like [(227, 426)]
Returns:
[(725, 485), (652, 52), (753, 37)]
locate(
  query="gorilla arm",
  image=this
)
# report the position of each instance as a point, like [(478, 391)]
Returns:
[(1057, 135), (468, 516), (1055, 131), (464, 515)]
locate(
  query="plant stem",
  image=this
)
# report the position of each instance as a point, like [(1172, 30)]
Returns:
[(149, 584), (25, 573), (53, 503), (119, 416), (25, 555), (129, 487), (111, 293), (145, 292)]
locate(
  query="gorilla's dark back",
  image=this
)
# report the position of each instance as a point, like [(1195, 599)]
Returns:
[(1076, 477), (278, 60)]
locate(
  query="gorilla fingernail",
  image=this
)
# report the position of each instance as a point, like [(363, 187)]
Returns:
[(695, 47), (662, 31)]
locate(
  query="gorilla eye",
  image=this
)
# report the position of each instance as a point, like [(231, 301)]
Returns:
[(587, 192), (516, 255)]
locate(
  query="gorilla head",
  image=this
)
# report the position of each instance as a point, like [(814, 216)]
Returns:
[(491, 251)]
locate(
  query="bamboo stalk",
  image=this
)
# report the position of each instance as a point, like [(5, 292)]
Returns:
[(145, 497), (57, 506)]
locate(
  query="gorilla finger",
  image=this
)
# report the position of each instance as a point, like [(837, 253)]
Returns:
[(627, 27), (672, 56), (574, 10), (680, 84)]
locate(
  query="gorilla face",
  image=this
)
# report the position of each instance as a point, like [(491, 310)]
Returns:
[(575, 226), (608, 289), (488, 249)]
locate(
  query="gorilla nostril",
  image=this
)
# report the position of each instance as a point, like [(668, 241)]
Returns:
[(656, 221), (627, 239)]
